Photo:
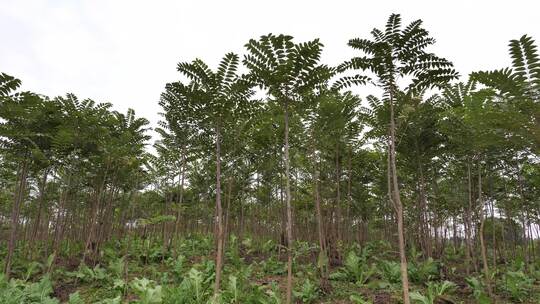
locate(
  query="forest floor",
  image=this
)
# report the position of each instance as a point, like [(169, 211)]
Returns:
[(256, 273)]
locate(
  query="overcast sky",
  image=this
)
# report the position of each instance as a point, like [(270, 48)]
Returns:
[(123, 52)]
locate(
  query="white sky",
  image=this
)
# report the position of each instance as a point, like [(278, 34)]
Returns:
[(124, 52)]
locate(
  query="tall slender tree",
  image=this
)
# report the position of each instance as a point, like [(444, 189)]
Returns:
[(393, 56), (215, 99), (288, 71)]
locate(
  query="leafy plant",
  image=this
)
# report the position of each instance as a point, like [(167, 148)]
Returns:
[(478, 290), (435, 291), (87, 274), (273, 266), (518, 285), (75, 298), (116, 300), (116, 267), (239, 290), (357, 299), (355, 269), (33, 268), (273, 295), (19, 292), (423, 271), (390, 271), (194, 289), (308, 293), (147, 291)]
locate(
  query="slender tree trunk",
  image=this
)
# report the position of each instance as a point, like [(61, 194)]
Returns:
[(469, 226), (41, 204), (425, 226), (525, 238), (493, 225), (180, 198), (165, 225), (482, 224), (398, 204), (94, 214), (349, 193), (226, 229), (323, 255), (339, 235), (59, 219), (219, 213), (289, 207), (15, 212)]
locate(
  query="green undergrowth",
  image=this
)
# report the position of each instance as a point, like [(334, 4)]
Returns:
[(255, 272)]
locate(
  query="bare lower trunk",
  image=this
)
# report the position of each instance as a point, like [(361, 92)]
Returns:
[(41, 204), (219, 214), (289, 208), (339, 236), (482, 241), (398, 205), (15, 212), (469, 226), (180, 199), (323, 254)]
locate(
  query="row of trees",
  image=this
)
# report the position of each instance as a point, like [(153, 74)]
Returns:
[(285, 150)]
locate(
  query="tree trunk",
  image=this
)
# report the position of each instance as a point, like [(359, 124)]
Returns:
[(289, 207), (323, 254), (349, 194), (424, 224), (398, 205), (219, 214), (180, 198), (226, 230), (41, 204), (15, 212), (41, 199), (468, 226), (482, 241), (339, 236)]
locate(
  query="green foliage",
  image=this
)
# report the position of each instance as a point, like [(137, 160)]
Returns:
[(239, 289), (116, 300), (289, 70), (273, 266), (395, 52), (478, 289), (33, 268), (20, 292), (75, 298), (233, 252), (8, 84), (160, 219), (423, 271), (195, 288), (147, 291), (308, 293), (87, 274), (357, 299), (435, 292), (390, 271), (518, 285), (356, 269), (117, 267)]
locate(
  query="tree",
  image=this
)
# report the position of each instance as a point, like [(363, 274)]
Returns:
[(393, 54), (28, 122), (288, 71), (215, 99)]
